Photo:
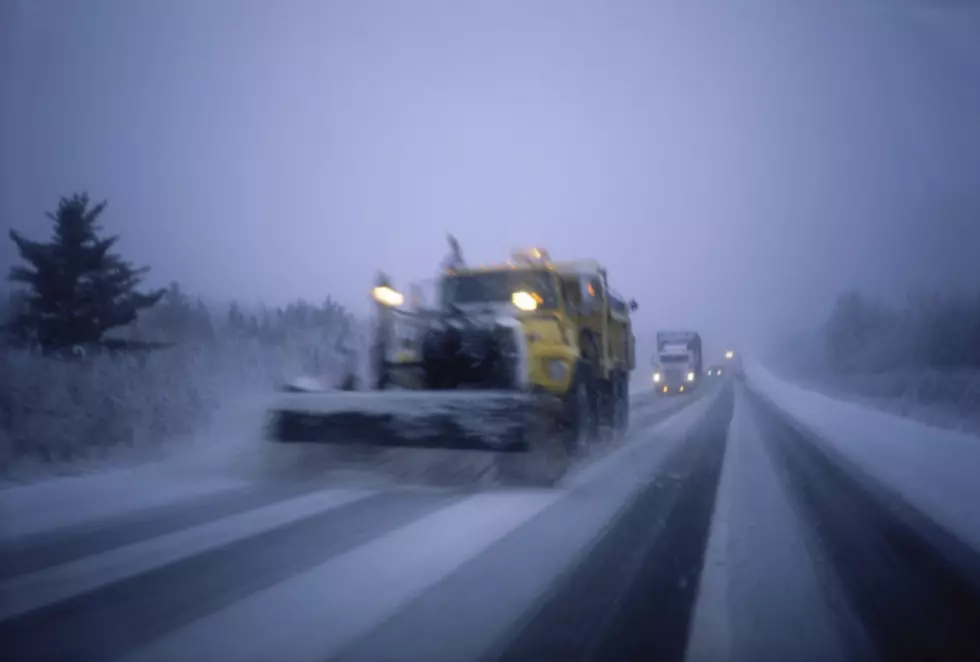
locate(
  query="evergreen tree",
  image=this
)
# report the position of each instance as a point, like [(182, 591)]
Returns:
[(203, 322), (236, 319), (77, 288), (173, 316)]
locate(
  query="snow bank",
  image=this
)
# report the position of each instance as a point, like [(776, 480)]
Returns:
[(947, 399), (935, 469), (67, 416)]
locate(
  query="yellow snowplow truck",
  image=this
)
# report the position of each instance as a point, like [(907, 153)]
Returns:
[(527, 359)]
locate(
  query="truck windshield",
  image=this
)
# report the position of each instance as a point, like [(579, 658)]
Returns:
[(681, 358), (498, 286)]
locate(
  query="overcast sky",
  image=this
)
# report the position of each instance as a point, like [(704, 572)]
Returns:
[(735, 167)]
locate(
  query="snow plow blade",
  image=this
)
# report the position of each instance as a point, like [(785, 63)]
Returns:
[(493, 421)]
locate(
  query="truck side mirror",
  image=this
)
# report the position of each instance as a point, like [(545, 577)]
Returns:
[(633, 305)]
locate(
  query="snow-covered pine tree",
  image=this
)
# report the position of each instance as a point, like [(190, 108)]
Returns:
[(77, 289)]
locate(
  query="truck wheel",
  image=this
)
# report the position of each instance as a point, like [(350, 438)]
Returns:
[(545, 463), (582, 424), (577, 431), (621, 406), (595, 410)]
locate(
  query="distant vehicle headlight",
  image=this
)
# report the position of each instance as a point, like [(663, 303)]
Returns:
[(690, 376), (656, 377)]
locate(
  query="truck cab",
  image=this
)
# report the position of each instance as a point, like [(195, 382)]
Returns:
[(677, 366), (571, 334)]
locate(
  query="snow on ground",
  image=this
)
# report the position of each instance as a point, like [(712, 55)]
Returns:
[(51, 585), (40, 507), (758, 597), (362, 589), (531, 561), (935, 469), (229, 454), (942, 399), (358, 589)]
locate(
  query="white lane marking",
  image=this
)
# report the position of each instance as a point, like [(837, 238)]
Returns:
[(33, 591), (621, 459), (315, 614), (63, 502), (710, 637), (759, 595)]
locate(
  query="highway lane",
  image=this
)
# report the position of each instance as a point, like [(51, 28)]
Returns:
[(156, 580), (720, 530)]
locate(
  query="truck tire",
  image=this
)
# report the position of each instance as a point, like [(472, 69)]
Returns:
[(621, 405), (545, 463), (581, 427), (589, 367)]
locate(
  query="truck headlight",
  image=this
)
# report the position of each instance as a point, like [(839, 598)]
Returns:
[(690, 376), (656, 378), (556, 369), (524, 301), (387, 296)]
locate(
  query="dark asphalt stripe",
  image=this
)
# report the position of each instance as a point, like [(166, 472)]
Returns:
[(41, 551), (110, 621), (478, 605), (914, 586), (632, 598)]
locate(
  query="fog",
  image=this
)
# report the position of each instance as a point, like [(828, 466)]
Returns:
[(735, 167)]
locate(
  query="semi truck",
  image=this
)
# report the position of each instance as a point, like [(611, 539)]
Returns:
[(677, 366)]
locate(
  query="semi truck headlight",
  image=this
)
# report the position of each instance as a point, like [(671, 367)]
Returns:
[(524, 301), (656, 377), (690, 376), (557, 370)]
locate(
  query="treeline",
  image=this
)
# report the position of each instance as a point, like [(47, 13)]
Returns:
[(92, 362), (77, 295), (937, 332)]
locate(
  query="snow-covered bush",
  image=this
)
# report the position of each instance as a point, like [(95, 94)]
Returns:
[(929, 333), (920, 359), (61, 412)]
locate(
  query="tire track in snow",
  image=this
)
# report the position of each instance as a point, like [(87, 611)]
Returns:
[(475, 609), (315, 614), (633, 596), (146, 581), (109, 620), (39, 551)]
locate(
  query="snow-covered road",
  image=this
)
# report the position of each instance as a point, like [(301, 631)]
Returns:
[(726, 528), (157, 563)]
